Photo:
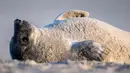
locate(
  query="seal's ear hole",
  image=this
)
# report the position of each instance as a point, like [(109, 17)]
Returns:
[(25, 40)]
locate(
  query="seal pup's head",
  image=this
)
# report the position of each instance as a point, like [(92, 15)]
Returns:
[(21, 41)]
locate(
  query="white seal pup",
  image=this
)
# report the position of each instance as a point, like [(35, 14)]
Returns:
[(71, 37)]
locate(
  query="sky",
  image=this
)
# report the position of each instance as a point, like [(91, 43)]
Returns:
[(41, 12)]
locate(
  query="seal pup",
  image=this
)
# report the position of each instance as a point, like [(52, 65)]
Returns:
[(70, 38)]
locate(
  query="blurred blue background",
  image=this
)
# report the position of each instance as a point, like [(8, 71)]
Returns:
[(40, 12)]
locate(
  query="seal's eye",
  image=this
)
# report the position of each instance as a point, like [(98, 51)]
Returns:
[(24, 40)]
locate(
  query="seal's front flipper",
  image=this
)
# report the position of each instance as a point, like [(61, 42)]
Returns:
[(88, 49)]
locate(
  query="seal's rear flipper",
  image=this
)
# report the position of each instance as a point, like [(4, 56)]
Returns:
[(72, 14), (88, 49)]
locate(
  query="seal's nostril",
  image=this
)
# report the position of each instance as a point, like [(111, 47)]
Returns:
[(17, 21)]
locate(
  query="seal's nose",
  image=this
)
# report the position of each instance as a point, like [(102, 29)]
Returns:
[(16, 26), (17, 21)]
